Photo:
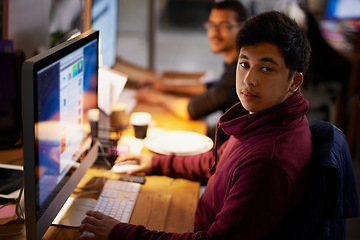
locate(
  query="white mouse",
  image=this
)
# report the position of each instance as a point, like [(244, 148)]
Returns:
[(123, 167)]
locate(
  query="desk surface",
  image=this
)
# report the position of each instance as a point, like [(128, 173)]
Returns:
[(162, 201)]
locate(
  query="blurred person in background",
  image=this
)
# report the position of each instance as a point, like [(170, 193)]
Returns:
[(222, 27)]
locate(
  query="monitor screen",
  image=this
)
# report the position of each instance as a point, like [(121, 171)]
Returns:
[(342, 9), (104, 17), (59, 87)]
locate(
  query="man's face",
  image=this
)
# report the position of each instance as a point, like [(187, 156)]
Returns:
[(222, 39), (262, 78)]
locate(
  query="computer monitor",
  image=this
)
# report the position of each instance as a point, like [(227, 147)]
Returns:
[(59, 87), (104, 17), (342, 9)]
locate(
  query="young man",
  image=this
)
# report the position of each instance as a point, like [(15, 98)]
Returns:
[(257, 177), (222, 27)]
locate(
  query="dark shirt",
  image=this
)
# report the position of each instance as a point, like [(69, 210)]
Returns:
[(219, 96)]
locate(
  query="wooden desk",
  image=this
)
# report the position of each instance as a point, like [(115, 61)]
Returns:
[(164, 204)]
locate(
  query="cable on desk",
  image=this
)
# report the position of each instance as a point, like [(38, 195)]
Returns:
[(19, 213), (13, 234), (5, 204)]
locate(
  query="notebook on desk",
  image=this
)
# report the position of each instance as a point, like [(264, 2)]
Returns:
[(111, 85), (112, 90)]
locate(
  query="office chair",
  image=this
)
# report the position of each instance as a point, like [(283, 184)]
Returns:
[(331, 195)]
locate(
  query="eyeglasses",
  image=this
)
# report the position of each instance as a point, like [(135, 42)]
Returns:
[(221, 26)]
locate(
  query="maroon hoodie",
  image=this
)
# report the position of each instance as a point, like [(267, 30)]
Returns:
[(254, 180)]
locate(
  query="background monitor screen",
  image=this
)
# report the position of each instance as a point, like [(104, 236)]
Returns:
[(104, 17), (59, 87), (342, 9)]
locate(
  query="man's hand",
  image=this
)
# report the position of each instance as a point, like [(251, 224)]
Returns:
[(97, 223), (144, 161)]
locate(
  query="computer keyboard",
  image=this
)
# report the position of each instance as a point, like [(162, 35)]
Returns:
[(117, 199)]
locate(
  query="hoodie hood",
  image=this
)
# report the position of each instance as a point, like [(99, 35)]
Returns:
[(236, 121), (242, 125)]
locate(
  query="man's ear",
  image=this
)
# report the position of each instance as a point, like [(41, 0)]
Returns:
[(297, 80)]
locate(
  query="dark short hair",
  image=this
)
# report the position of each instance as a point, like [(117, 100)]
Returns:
[(235, 6), (277, 28)]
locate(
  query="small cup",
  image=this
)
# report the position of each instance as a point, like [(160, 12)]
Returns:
[(117, 117), (93, 117), (140, 121)]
